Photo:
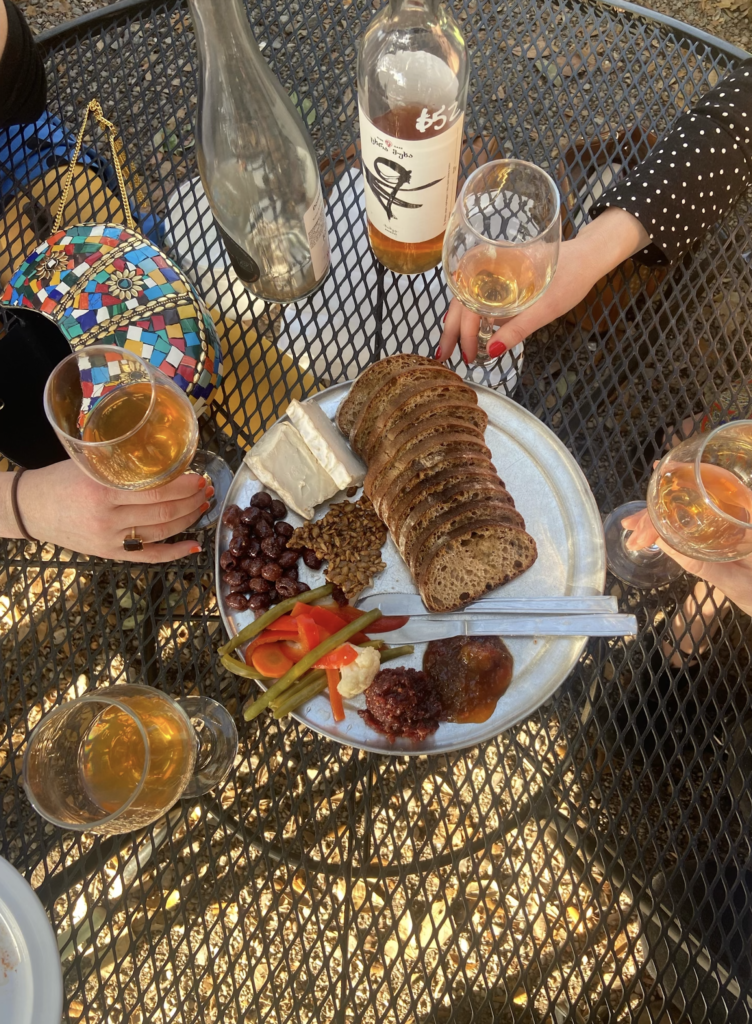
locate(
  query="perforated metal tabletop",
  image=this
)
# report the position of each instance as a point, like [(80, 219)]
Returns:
[(593, 864)]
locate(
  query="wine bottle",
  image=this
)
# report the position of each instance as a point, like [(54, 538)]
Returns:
[(412, 89), (256, 161)]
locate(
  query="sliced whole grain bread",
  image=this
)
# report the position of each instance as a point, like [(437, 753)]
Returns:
[(429, 482), (431, 479), (471, 561), (436, 507), (388, 397), (368, 382), (409, 402), (416, 551), (421, 412), (393, 485), (388, 453), (429, 452)]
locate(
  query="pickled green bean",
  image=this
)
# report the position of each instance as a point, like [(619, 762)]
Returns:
[(260, 624)]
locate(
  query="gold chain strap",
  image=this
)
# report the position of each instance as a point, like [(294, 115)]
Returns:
[(95, 108)]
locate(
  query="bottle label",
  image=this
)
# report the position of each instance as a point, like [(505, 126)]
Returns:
[(314, 220), (244, 266), (411, 185)]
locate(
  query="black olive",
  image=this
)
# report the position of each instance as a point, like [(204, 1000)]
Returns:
[(231, 516), (288, 558)]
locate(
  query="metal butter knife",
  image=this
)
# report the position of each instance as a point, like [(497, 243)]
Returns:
[(423, 628), (411, 604)]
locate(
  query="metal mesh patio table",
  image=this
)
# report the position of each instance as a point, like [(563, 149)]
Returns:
[(593, 864)]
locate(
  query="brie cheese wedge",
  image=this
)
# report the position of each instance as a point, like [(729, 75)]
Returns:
[(284, 463), (327, 444)]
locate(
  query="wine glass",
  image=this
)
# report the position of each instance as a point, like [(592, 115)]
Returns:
[(501, 244), (699, 501), (128, 425), (118, 759)]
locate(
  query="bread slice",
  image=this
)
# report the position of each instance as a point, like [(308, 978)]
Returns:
[(434, 479), (488, 508), (389, 452), (392, 486), (370, 381), (426, 453), (473, 560), (432, 510), (414, 400), (426, 406), (387, 397)]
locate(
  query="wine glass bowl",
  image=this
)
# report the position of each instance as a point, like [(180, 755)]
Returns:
[(128, 425), (501, 246), (699, 496), (119, 758), (125, 422), (699, 502)]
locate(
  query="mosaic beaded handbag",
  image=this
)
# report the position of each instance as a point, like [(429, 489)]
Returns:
[(107, 284)]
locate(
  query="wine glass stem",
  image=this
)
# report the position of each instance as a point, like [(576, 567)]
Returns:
[(485, 331)]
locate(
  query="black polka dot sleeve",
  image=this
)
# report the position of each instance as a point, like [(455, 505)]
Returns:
[(691, 178)]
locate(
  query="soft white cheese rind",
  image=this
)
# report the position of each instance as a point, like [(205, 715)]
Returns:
[(327, 444), (283, 462)]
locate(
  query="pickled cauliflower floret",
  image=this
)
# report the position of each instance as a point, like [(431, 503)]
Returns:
[(359, 674)]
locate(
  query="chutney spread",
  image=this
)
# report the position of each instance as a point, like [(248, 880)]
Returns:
[(470, 673), (402, 702)]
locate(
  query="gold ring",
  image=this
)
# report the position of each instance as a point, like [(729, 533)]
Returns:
[(133, 543)]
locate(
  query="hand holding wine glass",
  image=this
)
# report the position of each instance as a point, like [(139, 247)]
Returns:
[(63, 505), (599, 247), (700, 509), (732, 579), (502, 241), (129, 427)]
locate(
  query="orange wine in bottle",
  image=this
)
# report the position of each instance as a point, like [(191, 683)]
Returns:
[(412, 90)]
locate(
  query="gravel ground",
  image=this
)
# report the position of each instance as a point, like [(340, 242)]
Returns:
[(729, 19)]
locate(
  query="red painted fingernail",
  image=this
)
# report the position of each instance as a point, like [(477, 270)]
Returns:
[(195, 550), (209, 492), (201, 482), (443, 319), (465, 360), (204, 507), (438, 353), (497, 348)]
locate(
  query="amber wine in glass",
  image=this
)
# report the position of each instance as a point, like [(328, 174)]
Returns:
[(127, 424), (699, 501), (114, 759), (119, 758), (158, 431), (497, 280), (501, 245)]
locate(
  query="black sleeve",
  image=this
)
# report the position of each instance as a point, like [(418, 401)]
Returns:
[(692, 177), (23, 87)]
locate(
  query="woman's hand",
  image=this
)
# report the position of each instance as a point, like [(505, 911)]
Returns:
[(599, 247), (61, 504), (733, 579)]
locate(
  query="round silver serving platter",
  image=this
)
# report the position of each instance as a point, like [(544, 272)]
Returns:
[(560, 512)]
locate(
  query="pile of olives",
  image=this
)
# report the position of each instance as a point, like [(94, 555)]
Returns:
[(258, 568)]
